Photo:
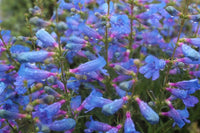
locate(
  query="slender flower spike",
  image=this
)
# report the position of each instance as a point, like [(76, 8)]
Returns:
[(129, 126), (91, 66), (149, 114), (46, 39), (33, 56), (62, 125), (111, 108)]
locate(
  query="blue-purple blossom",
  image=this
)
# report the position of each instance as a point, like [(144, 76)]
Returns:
[(97, 126), (152, 68), (33, 56), (179, 116), (91, 66), (62, 125), (111, 108), (46, 39), (129, 126), (190, 52), (149, 114)]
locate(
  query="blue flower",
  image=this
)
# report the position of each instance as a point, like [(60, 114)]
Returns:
[(62, 125), (149, 114), (151, 69), (46, 39), (91, 66), (97, 126), (179, 116), (33, 56), (190, 52), (111, 108), (129, 126)]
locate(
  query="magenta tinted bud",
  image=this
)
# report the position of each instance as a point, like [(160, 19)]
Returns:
[(149, 114), (4, 68), (11, 115), (129, 126), (193, 41)]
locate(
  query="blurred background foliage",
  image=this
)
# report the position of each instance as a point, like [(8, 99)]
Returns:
[(13, 13)]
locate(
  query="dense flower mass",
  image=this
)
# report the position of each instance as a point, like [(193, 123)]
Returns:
[(91, 65)]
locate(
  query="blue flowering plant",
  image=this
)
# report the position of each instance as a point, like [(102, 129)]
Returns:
[(110, 66)]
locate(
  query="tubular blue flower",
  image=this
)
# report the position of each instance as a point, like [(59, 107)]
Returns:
[(191, 85), (178, 93), (75, 102), (119, 91), (90, 66), (190, 101), (190, 52), (97, 126), (151, 69), (39, 22), (62, 125), (11, 115), (64, 5), (179, 116), (153, 8), (91, 33), (15, 49), (126, 85), (111, 108), (193, 41), (149, 114), (4, 68), (51, 91), (129, 126), (33, 73), (46, 39), (33, 56), (95, 99), (75, 46), (114, 129), (172, 11), (2, 87), (76, 39), (120, 25), (195, 18)]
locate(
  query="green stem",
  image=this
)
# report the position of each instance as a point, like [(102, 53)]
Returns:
[(106, 34), (63, 78), (131, 33), (176, 46)]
